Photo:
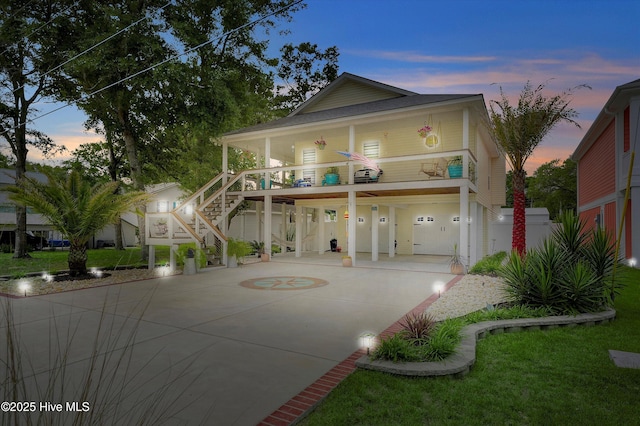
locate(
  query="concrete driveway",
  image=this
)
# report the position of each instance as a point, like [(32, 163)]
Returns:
[(228, 353)]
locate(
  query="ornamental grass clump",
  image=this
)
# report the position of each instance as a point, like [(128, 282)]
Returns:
[(418, 327), (570, 273), (421, 340)]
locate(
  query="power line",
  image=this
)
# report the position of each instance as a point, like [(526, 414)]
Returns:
[(96, 45), (186, 52)]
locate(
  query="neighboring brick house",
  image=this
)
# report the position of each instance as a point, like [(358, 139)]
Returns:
[(603, 158)]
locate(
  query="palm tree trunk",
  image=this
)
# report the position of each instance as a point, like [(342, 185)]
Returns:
[(77, 259), (519, 231)]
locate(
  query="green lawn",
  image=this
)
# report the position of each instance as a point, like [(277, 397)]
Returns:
[(559, 377), (55, 261)]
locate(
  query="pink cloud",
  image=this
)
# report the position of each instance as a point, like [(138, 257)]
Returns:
[(418, 57)]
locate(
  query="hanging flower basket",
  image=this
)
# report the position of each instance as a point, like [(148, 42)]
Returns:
[(320, 143)]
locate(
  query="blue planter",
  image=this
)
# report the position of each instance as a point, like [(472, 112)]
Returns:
[(331, 179), (455, 171)]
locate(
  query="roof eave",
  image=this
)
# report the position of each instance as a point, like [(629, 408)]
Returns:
[(268, 132)]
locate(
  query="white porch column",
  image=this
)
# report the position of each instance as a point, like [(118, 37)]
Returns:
[(392, 231), (152, 256), (352, 147), (267, 162), (321, 230), (465, 143), (172, 257), (283, 227), (259, 220), (225, 162), (267, 224), (475, 234), (351, 225), (299, 230), (375, 222), (463, 246)]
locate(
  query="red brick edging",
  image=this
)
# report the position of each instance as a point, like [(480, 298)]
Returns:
[(302, 404)]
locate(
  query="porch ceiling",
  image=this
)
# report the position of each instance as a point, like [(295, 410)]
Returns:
[(290, 198)]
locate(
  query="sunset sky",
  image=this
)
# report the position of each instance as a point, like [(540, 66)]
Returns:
[(464, 46)]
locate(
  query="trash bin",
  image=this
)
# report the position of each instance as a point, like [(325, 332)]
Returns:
[(334, 244)]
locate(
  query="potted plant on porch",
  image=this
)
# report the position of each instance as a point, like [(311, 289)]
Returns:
[(236, 249), (454, 166), (258, 248), (331, 177)]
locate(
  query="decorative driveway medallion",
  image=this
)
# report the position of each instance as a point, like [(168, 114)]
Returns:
[(283, 283)]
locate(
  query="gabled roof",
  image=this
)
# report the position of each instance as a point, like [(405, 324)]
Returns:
[(353, 111), (380, 90), (617, 102)]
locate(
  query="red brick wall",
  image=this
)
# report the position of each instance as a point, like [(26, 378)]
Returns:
[(610, 219), (596, 169), (589, 217)]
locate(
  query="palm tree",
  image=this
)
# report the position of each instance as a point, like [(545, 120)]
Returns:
[(75, 209), (517, 131)]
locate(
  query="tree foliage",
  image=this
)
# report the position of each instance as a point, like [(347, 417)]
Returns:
[(30, 36), (303, 70), (554, 186), (518, 130)]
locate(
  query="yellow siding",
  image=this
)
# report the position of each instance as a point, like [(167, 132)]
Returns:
[(351, 93), (498, 181)]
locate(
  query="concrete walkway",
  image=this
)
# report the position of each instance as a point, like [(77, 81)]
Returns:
[(233, 354)]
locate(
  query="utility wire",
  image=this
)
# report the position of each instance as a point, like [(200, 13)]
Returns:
[(248, 24), (96, 45)]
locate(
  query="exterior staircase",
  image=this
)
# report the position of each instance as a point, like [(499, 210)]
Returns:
[(203, 212)]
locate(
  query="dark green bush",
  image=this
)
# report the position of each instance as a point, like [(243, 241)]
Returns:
[(571, 273)]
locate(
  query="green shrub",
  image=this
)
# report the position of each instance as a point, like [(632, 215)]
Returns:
[(441, 343), (6, 248), (397, 349), (199, 255), (571, 273), (489, 265), (238, 248)]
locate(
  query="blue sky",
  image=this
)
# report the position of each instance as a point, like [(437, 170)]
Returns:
[(467, 46)]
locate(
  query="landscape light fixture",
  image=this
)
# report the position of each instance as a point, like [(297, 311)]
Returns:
[(24, 286), (439, 287), (367, 340)]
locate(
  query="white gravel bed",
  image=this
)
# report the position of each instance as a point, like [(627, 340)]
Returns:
[(33, 286), (470, 294)]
